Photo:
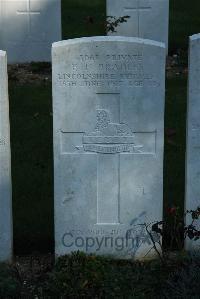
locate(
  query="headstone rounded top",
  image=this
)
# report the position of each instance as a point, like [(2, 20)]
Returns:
[(195, 37), (2, 53), (108, 38)]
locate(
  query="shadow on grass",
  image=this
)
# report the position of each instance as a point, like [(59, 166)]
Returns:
[(32, 167)]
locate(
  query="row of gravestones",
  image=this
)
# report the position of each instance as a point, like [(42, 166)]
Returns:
[(108, 108), (29, 27)]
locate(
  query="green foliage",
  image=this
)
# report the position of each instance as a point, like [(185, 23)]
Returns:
[(192, 231), (173, 231), (9, 285), (112, 23)]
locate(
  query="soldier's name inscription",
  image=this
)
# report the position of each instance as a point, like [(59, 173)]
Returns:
[(111, 71)]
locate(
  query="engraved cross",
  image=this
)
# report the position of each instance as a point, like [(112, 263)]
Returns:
[(138, 8), (108, 141), (29, 12)]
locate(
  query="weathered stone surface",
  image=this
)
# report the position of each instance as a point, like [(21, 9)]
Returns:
[(148, 18), (5, 167), (193, 136), (108, 101), (28, 28)]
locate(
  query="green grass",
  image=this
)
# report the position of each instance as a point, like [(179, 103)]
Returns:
[(82, 276)]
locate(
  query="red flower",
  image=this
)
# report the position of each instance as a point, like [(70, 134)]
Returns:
[(171, 211)]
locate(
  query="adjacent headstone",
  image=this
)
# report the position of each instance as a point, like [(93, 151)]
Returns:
[(28, 28), (148, 18), (5, 166), (108, 99), (193, 137)]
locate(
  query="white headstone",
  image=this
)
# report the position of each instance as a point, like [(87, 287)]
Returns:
[(193, 136), (5, 166), (148, 18), (28, 28), (108, 99)]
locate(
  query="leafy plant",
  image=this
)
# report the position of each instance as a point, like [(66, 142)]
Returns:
[(113, 22), (191, 230), (174, 230)]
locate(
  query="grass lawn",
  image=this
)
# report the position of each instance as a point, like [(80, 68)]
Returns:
[(31, 128), (80, 276)]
